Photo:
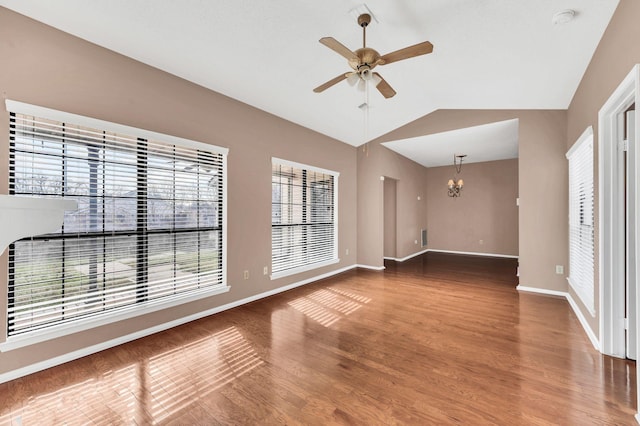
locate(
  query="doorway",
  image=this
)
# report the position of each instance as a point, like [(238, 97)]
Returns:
[(618, 221), (619, 243), (390, 218)]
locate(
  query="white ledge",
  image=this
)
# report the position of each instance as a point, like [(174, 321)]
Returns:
[(22, 217)]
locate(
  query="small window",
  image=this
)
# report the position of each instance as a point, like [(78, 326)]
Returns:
[(581, 232), (303, 218)]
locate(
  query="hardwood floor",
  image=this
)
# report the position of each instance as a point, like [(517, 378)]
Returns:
[(440, 339)]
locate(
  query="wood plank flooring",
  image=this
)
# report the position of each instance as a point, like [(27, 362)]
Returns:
[(440, 339)]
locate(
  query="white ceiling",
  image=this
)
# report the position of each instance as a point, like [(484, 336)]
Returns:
[(489, 142), (489, 54)]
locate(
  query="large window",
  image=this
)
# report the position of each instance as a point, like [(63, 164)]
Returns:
[(148, 229), (303, 217), (581, 234)]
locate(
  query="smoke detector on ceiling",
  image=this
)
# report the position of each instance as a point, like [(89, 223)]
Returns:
[(563, 16)]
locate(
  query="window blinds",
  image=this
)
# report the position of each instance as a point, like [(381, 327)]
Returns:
[(581, 232), (303, 217), (148, 224)]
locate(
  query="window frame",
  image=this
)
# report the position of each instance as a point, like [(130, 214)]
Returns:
[(315, 265), (142, 307), (582, 250)]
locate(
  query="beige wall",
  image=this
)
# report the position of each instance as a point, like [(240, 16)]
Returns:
[(376, 161), (542, 177), (46, 67), (616, 54), (484, 219)]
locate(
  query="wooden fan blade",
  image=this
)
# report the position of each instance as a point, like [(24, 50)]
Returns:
[(384, 87), (330, 83), (406, 53), (338, 47)]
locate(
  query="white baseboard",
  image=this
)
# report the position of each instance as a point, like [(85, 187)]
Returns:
[(373, 268), (585, 324), (541, 291), (583, 321), (466, 253), (52, 362), (407, 257), (473, 253), (637, 417)]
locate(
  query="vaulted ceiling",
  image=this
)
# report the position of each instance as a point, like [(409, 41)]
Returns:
[(488, 54)]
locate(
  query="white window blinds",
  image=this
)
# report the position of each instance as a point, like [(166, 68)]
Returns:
[(581, 233), (303, 217), (149, 223)]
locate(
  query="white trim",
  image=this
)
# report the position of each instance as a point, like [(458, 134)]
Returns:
[(336, 218), (407, 257), (108, 317), (473, 253), (225, 196), (611, 232), (584, 137), (373, 268), (544, 291), (304, 268), (637, 417), (591, 310), (578, 313), (467, 253), (580, 158), (293, 164), (42, 365), (38, 111), (611, 249), (583, 321)]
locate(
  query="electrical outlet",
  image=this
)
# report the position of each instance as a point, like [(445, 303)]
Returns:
[(346, 252), (481, 242), (415, 241), (246, 275), (559, 269), (265, 270)]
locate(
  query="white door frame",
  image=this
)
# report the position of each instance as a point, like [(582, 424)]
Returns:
[(612, 214), (631, 279)]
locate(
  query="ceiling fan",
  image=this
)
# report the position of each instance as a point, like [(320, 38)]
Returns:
[(364, 60)]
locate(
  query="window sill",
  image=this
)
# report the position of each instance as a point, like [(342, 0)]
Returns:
[(39, 336), (301, 269)]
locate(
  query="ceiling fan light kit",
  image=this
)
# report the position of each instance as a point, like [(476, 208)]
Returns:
[(365, 59)]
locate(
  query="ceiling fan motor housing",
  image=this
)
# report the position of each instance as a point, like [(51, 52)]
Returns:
[(365, 56)]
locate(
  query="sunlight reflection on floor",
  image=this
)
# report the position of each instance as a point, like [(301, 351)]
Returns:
[(327, 306), (148, 391)]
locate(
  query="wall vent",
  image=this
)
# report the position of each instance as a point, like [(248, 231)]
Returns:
[(424, 237)]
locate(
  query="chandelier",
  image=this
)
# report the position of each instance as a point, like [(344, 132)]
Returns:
[(455, 185)]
